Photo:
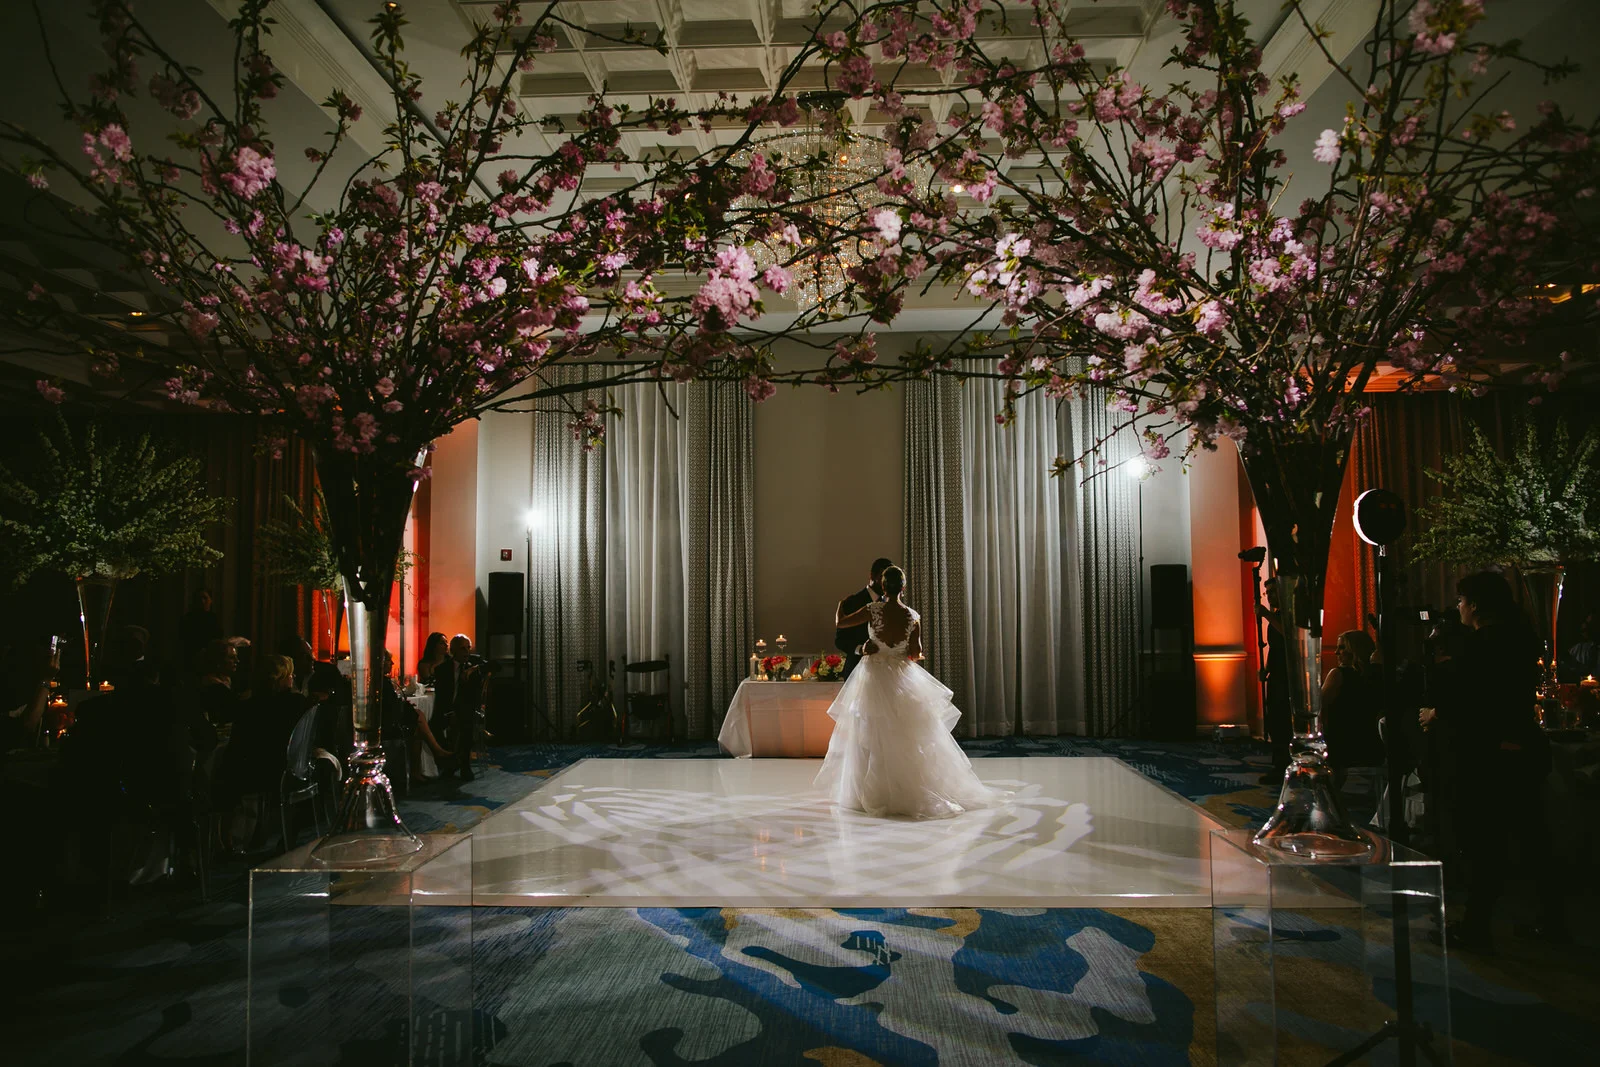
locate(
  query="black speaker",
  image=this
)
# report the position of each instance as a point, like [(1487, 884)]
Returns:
[(505, 603), (1171, 606)]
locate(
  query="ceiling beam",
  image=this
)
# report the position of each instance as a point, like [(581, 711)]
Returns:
[(1293, 50), (317, 57)]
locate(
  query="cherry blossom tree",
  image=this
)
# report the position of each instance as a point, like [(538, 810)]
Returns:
[(1142, 240), (372, 308)]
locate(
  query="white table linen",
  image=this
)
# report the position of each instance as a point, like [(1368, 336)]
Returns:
[(784, 719), (423, 702)]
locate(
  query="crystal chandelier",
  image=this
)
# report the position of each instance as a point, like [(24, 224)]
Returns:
[(837, 179)]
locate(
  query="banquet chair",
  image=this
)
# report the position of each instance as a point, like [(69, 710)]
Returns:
[(646, 706), (300, 783)]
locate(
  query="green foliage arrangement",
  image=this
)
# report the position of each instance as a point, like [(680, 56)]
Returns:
[(105, 506), (1539, 505), (298, 550)]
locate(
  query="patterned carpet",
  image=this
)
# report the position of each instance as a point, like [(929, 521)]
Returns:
[(163, 981)]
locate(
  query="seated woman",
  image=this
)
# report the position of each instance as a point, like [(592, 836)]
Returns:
[(434, 653), (402, 719), (213, 692), (1350, 708)]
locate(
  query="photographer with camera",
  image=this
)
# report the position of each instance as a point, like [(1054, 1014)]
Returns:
[(458, 694)]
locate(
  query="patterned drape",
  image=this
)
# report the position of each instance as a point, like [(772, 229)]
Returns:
[(719, 576), (1017, 525), (1108, 543), (646, 546), (568, 595), (1038, 576), (934, 548)]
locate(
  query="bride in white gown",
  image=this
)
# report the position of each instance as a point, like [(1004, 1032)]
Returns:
[(891, 751)]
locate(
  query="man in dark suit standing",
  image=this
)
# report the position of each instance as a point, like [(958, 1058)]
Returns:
[(850, 639), (457, 694)]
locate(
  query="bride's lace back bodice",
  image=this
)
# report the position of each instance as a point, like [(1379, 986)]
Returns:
[(880, 630)]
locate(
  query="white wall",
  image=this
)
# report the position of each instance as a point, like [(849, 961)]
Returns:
[(828, 501), (505, 468), (453, 505), (1166, 523)]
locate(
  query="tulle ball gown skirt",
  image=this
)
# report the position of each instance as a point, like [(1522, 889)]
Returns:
[(891, 752)]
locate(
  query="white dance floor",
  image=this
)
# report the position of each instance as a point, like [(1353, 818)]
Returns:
[(1080, 832)]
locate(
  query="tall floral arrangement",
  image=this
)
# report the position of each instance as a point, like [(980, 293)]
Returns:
[(1538, 506), (96, 505), (369, 309), (99, 507), (1141, 242)]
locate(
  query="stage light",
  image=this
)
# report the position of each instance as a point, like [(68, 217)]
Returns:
[(1136, 468), (1380, 517)]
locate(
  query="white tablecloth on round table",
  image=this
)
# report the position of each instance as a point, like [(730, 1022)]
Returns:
[(424, 703), (779, 719)]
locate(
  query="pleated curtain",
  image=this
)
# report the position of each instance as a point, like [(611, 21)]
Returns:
[(934, 549), (1019, 534), (1108, 545), (719, 573), (568, 558), (645, 550)]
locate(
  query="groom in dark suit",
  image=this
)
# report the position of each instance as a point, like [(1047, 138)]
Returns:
[(850, 640)]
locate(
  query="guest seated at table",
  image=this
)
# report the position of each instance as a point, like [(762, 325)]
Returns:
[(330, 691), (1583, 658), (404, 720), (213, 692), (298, 649), (1350, 708), (253, 764), (434, 652), (137, 740), (398, 719), (25, 681)]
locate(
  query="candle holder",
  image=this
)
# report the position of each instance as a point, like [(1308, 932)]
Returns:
[(783, 643)]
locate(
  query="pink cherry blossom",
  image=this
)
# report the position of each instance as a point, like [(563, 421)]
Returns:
[(1327, 149)]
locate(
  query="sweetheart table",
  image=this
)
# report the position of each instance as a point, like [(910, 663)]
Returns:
[(787, 719)]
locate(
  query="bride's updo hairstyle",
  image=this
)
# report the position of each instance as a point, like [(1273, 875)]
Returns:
[(894, 580)]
